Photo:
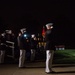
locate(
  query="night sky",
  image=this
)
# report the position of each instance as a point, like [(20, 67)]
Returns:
[(35, 14)]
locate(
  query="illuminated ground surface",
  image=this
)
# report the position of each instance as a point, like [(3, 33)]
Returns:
[(36, 68), (63, 64)]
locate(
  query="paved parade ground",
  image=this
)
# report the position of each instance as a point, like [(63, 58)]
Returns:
[(63, 64), (36, 68)]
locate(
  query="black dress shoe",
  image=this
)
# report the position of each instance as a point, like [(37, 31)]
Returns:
[(50, 72)]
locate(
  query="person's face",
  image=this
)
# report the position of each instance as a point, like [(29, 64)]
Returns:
[(35, 38), (49, 27), (2, 34), (19, 34)]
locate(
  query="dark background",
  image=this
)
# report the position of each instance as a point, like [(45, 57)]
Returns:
[(35, 14)]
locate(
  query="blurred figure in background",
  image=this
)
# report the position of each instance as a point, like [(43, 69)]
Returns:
[(10, 43), (23, 44), (34, 43), (10, 35), (2, 47)]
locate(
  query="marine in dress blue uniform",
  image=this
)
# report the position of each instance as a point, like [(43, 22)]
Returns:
[(49, 47)]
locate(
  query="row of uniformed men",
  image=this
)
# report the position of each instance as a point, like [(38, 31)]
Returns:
[(23, 44), (49, 49)]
